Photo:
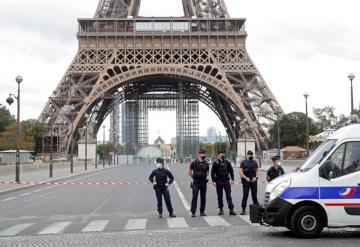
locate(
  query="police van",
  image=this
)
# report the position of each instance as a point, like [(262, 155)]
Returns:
[(324, 192)]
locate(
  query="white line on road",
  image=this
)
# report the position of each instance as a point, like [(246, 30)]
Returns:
[(177, 223), (25, 194), (216, 221), (96, 226), (14, 230), (55, 228), (9, 199), (181, 195), (136, 224)]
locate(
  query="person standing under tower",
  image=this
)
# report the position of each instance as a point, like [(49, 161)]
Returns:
[(249, 173), (221, 173)]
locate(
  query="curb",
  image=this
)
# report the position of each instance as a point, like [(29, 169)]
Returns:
[(52, 180)]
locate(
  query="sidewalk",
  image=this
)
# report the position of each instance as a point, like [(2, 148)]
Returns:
[(42, 175)]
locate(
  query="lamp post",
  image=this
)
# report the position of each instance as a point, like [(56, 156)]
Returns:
[(258, 115), (245, 137), (72, 108), (10, 100), (278, 128), (86, 139), (306, 95), (104, 144), (351, 77)]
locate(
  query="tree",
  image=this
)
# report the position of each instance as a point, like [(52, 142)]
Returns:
[(5, 118), (326, 119), (293, 130), (36, 130), (8, 138)]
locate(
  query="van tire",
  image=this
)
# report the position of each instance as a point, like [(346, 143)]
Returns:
[(307, 222)]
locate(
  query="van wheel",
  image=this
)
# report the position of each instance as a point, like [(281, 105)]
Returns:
[(306, 222)]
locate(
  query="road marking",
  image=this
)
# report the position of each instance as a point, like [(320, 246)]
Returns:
[(177, 223), (136, 224), (181, 195), (216, 221), (25, 194), (14, 230), (96, 226), (9, 199), (55, 228), (246, 218)]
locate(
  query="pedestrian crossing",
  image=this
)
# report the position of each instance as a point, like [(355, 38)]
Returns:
[(131, 224)]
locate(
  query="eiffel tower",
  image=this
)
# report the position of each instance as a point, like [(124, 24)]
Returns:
[(122, 56)]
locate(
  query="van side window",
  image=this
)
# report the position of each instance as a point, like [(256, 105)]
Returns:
[(337, 159), (352, 158)]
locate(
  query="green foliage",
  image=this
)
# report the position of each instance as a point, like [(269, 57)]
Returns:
[(8, 138), (326, 119), (36, 130), (293, 130), (103, 149), (5, 118), (212, 148)]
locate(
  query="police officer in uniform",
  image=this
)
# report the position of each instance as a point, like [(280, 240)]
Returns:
[(162, 181), (221, 173), (249, 173), (276, 170), (199, 171)]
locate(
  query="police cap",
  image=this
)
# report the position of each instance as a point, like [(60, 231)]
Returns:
[(221, 152), (275, 158), (202, 151), (250, 152), (159, 160)]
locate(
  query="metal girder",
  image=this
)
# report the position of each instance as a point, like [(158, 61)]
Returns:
[(196, 8)]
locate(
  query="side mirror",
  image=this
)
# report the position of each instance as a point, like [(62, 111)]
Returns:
[(327, 170)]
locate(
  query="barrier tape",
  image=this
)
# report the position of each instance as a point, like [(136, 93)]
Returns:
[(94, 183)]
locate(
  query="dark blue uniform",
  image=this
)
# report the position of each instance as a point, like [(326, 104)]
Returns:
[(273, 173), (162, 176), (200, 170), (221, 172), (249, 168)]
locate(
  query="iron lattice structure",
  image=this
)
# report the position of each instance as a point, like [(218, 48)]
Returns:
[(121, 57), (135, 120)]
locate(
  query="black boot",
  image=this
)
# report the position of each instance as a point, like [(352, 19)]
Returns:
[(193, 214), (202, 214), (232, 212), (221, 212), (243, 212), (172, 215), (160, 215)]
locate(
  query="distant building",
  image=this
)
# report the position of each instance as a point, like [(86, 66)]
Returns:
[(211, 132)]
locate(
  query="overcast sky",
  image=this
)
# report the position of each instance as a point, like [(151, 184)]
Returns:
[(298, 46)]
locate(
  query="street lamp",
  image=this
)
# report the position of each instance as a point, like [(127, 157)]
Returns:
[(278, 111), (86, 139), (10, 100), (245, 136), (104, 144), (351, 77), (72, 108), (306, 95)]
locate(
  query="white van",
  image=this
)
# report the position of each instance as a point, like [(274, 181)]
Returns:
[(324, 192)]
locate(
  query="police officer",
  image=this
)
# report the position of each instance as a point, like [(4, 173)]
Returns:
[(199, 171), (221, 173), (163, 179), (276, 170), (249, 173)]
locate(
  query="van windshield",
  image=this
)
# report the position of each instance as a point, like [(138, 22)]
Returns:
[(318, 155)]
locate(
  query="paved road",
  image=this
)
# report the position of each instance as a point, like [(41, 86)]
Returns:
[(68, 212)]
